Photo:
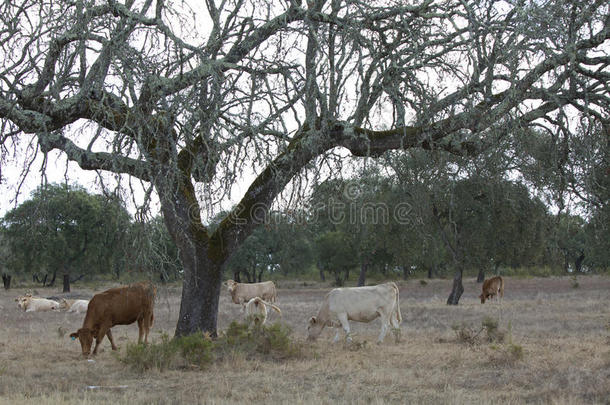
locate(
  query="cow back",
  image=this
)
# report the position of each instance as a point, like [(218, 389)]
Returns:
[(121, 305)]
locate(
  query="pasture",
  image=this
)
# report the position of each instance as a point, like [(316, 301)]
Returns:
[(556, 350)]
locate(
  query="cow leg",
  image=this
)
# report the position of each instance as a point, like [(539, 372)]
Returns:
[(345, 324), (336, 339), (109, 334), (98, 339), (395, 326), (140, 329), (384, 329)]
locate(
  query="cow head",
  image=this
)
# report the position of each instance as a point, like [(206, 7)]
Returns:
[(314, 328), (63, 304), (85, 337), (484, 297), (231, 285), (23, 302)]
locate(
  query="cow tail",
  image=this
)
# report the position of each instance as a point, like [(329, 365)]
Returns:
[(398, 314), (501, 287), (274, 307)]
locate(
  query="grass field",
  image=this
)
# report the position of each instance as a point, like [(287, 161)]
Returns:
[(556, 350)]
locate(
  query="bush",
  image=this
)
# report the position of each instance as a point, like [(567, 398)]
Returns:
[(467, 334), (199, 351), (158, 356), (261, 341), (494, 334), (506, 355)]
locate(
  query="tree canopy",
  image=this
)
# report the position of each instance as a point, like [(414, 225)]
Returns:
[(64, 229), (189, 97)]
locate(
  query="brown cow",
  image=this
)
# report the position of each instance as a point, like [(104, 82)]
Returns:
[(117, 306), (492, 287)]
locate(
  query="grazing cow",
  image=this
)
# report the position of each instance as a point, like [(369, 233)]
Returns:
[(78, 306), (492, 287), (242, 293), (35, 304), (256, 310), (117, 306), (361, 304)]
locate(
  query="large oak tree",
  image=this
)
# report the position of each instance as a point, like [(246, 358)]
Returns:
[(188, 100)]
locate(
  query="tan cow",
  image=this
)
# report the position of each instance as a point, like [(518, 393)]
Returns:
[(241, 293), (361, 304), (256, 310), (36, 304), (491, 288), (117, 306), (78, 306)]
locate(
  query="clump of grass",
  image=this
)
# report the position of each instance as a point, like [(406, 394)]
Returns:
[(472, 336), (506, 355), (575, 283), (61, 332), (354, 345), (465, 333), (423, 282), (160, 356), (198, 351), (493, 332), (262, 341)]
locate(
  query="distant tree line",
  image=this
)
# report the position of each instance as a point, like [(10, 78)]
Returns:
[(64, 231), (377, 226), (413, 218)]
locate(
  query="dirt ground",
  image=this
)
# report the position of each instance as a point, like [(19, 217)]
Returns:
[(557, 350)]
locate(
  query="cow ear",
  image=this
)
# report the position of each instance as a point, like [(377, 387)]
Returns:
[(313, 320), (74, 335)]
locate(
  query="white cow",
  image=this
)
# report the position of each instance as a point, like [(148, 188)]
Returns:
[(241, 293), (361, 304), (34, 304), (78, 306), (256, 310)]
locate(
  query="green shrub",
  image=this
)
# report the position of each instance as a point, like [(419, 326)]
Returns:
[(261, 341), (494, 333), (506, 355), (199, 351), (470, 335), (196, 349), (158, 356)]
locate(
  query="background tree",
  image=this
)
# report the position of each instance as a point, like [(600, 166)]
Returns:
[(63, 229), (5, 268), (136, 88), (150, 249)]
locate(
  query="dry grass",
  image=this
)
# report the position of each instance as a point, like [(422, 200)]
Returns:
[(556, 350)]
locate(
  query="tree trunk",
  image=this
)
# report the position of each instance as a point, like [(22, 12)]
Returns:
[(457, 290), (338, 279), (6, 280), (66, 283), (200, 296), (52, 282), (322, 277), (362, 277), (566, 261), (431, 272), (481, 276), (578, 262), (236, 276), (201, 258), (248, 276)]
